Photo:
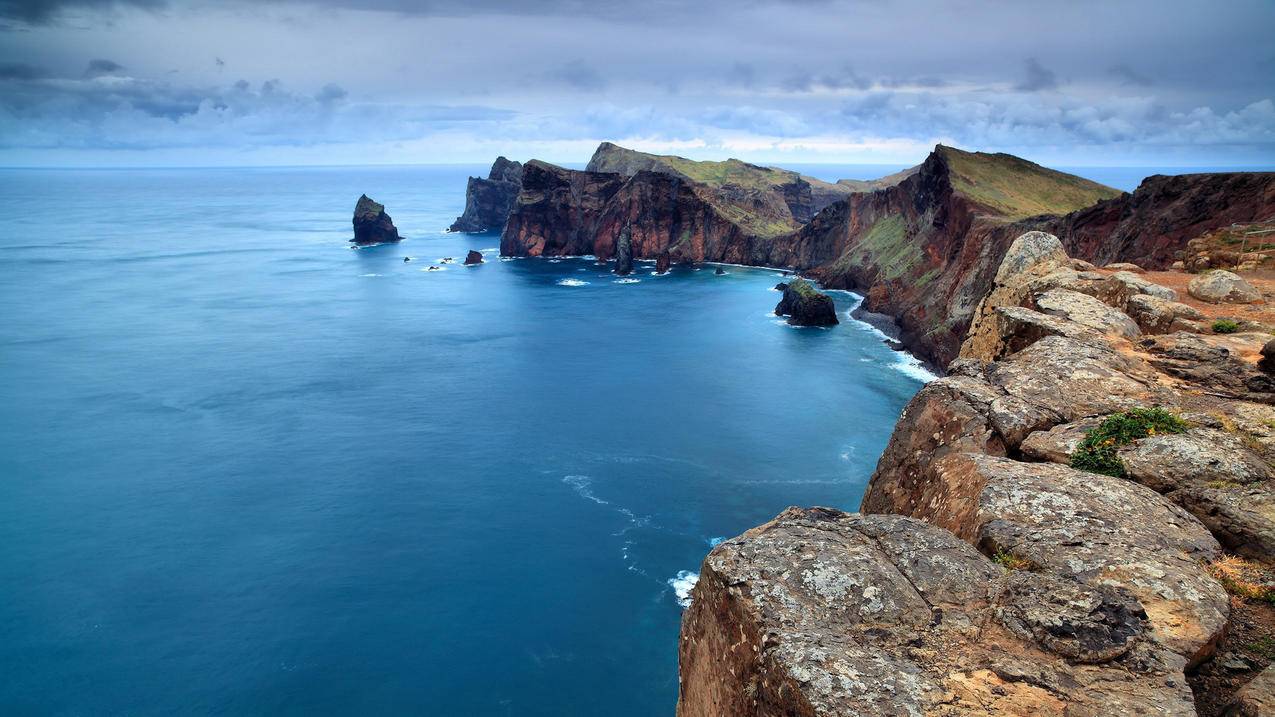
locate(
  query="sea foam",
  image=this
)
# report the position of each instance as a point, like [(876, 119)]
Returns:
[(572, 282), (682, 584)]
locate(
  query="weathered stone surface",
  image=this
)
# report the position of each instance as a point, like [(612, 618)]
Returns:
[(1092, 528), (806, 306), (1124, 266), (488, 201), (1058, 443), (1223, 287), (1257, 698), (823, 613), (1207, 363), (1033, 255), (1159, 316), (1087, 311), (371, 224), (1018, 327), (1215, 477)]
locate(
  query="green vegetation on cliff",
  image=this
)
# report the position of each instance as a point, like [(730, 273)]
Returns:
[(1097, 453), (1016, 188)]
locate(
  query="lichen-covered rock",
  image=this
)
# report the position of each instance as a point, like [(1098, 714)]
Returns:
[(1137, 285), (371, 224), (823, 613), (1032, 256), (804, 305), (1223, 287), (1092, 528), (1215, 477), (1058, 443), (1125, 266), (1087, 311), (1160, 316), (1207, 363)]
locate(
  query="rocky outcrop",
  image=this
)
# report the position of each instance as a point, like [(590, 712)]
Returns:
[(473, 257), (371, 224), (624, 252), (804, 305), (1223, 287), (661, 264), (820, 612), (987, 457), (488, 201)]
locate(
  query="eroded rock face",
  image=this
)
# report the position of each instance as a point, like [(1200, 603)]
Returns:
[(825, 613), (473, 257), (1223, 287), (1087, 311), (488, 201), (1160, 316), (371, 224), (804, 305)]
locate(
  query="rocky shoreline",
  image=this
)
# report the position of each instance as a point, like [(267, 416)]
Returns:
[(988, 576)]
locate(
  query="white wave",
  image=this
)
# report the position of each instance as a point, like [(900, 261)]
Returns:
[(371, 275), (572, 282), (912, 366), (714, 542), (488, 251), (682, 584), (555, 261), (627, 281), (582, 486)]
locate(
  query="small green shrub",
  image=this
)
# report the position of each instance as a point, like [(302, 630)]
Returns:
[(1097, 452), (1225, 326), (1009, 561)]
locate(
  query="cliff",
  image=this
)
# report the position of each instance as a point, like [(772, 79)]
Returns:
[(487, 201), (923, 250), (1044, 533)]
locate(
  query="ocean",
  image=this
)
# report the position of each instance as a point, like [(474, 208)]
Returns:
[(247, 469), (250, 470)]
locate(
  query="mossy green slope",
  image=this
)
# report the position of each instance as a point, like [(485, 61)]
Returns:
[(1015, 188)]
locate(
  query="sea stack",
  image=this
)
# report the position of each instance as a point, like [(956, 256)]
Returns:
[(624, 252), (473, 257), (662, 263), (371, 224), (806, 306)]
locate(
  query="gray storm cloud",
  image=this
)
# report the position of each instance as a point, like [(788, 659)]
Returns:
[(812, 80)]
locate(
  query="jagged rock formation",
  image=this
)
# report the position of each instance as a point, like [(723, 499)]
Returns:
[(804, 305), (985, 454), (624, 252), (924, 250), (371, 224), (487, 201), (473, 257), (820, 612)]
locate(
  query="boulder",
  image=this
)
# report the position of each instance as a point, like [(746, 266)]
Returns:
[(1091, 528), (719, 271), (1124, 266), (821, 613), (371, 224), (806, 306), (1215, 477), (1155, 315), (1267, 362), (1058, 443), (1223, 287), (1087, 311), (473, 257), (1139, 285)]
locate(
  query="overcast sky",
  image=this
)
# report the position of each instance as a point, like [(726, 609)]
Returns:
[(1086, 82)]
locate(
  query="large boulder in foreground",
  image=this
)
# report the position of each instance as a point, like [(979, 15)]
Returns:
[(371, 224), (1223, 287), (488, 201), (820, 612), (804, 305)]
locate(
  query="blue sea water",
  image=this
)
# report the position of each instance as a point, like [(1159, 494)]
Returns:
[(245, 469)]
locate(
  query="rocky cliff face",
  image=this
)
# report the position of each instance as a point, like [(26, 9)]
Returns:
[(989, 574), (924, 249), (806, 306), (487, 201)]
